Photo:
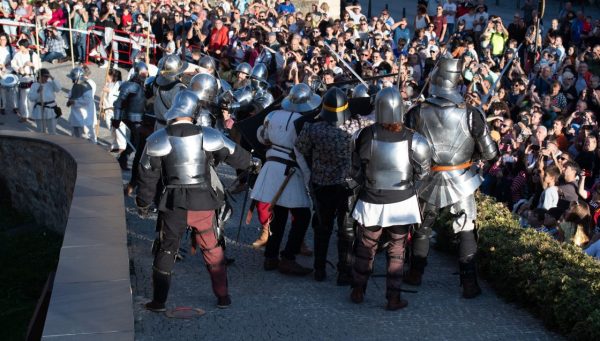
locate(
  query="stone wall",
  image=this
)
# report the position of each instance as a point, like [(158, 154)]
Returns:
[(75, 188), (38, 180)]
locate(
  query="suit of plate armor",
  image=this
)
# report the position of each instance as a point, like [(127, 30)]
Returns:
[(457, 134)]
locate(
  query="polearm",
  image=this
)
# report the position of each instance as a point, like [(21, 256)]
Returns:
[(71, 38), (148, 36), (100, 105), (541, 10), (366, 79), (39, 74), (493, 88), (37, 39), (341, 60)]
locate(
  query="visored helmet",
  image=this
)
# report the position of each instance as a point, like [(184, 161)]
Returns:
[(301, 99), (445, 79), (205, 87), (77, 74), (259, 74)]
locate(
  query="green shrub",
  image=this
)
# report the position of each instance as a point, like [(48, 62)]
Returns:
[(557, 281)]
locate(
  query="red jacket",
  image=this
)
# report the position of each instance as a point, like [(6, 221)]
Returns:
[(218, 39)]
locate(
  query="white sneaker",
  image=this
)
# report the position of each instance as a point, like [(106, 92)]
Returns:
[(104, 66), (93, 53)]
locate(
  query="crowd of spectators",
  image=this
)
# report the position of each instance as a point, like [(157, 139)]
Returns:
[(536, 79)]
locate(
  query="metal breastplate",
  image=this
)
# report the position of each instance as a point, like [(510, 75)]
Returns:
[(447, 130), (135, 103), (186, 164), (389, 165)]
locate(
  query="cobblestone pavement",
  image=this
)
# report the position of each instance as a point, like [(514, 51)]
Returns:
[(268, 305)]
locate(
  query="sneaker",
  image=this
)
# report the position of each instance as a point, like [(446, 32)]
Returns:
[(105, 65), (223, 302), (93, 53), (54, 61), (155, 307)]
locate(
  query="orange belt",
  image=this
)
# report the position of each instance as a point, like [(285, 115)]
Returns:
[(451, 168)]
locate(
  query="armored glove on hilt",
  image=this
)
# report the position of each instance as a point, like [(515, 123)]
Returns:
[(255, 165)]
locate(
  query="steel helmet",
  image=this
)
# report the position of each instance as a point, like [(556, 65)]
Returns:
[(301, 99), (388, 106), (170, 67)]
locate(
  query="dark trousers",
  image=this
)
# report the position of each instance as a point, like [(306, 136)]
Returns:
[(331, 205), (300, 221), (368, 238), (174, 224)]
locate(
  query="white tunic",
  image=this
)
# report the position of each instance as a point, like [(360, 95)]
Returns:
[(20, 59), (83, 109), (49, 90), (405, 212), (281, 132)]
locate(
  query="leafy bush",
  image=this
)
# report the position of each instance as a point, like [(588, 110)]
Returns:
[(557, 281)]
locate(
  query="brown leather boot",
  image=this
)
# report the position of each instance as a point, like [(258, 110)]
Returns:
[(264, 237), (468, 279), (290, 267), (414, 276), (358, 293), (395, 301)]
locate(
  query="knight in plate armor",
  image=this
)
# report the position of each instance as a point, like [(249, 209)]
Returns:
[(129, 108), (457, 134), (250, 99), (166, 85), (182, 154), (389, 158)]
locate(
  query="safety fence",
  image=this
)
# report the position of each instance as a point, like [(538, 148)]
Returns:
[(97, 38)]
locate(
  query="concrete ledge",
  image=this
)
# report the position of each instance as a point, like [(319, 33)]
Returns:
[(76, 189)]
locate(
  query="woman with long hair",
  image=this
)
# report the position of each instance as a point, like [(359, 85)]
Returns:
[(577, 223)]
